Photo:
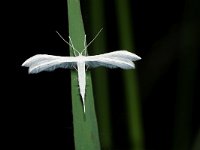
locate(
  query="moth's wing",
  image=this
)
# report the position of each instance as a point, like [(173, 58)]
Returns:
[(110, 63), (121, 59), (122, 54), (44, 62)]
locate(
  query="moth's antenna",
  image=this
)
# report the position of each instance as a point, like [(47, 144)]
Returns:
[(85, 44), (71, 45), (92, 40), (63, 39)]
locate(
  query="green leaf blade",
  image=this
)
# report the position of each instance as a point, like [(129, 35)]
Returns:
[(86, 134)]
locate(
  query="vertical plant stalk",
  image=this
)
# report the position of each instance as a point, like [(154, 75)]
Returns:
[(196, 145), (188, 60), (85, 125), (130, 77), (101, 88)]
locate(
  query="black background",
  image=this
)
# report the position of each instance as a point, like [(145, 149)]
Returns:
[(38, 112)]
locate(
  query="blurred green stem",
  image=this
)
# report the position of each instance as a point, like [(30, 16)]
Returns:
[(186, 77), (196, 145), (130, 77), (100, 75)]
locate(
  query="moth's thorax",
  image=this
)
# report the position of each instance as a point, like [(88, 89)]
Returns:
[(81, 58)]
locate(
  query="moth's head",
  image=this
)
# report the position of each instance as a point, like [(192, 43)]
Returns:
[(79, 53)]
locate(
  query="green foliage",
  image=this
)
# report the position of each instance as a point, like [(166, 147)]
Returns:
[(130, 77), (85, 125), (101, 89)]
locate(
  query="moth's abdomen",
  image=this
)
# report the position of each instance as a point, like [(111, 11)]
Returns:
[(82, 80)]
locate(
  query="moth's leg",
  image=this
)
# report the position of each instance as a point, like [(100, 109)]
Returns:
[(75, 68), (87, 66)]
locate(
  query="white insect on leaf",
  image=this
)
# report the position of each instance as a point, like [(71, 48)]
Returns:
[(117, 59)]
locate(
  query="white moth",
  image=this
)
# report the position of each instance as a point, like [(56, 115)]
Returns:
[(118, 59)]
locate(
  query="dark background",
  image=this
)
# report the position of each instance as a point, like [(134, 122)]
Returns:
[(39, 106)]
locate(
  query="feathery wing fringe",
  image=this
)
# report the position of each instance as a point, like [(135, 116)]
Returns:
[(43, 62), (111, 63), (121, 54), (122, 59)]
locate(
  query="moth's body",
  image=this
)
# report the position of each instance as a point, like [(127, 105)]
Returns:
[(118, 59), (82, 79)]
